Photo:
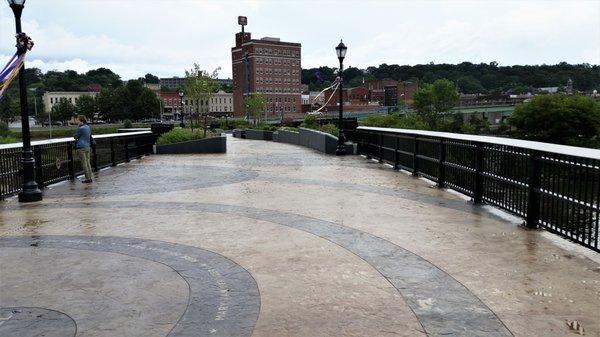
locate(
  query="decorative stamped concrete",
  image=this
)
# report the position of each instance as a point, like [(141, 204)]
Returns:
[(120, 181), (223, 297), (442, 305), (34, 322), (337, 246)]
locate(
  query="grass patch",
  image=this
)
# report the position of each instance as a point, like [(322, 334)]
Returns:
[(179, 135), (8, 140)]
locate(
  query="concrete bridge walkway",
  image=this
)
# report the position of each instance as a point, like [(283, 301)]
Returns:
[(276, 240)]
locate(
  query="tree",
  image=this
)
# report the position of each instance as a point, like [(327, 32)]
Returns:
[(86, 105), (434, 101), (200, 86), (147, 104), (561, 119), (7, 108), (149, 78), (104, 103), (62, 111), (104, 77), (255, 105)]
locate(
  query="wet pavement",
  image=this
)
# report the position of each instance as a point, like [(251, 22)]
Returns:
[(276, 240)]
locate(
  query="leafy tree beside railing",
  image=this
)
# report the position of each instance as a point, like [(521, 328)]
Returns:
[(255, 105), (62, 111), (434, 101), (199, 88), (560, 119), (86, 105)]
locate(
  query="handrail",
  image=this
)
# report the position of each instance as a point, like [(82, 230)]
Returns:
[(71, 139), (551, 186), (527, 144)]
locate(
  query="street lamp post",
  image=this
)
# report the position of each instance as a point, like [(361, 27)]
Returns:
[(341, 53), (181, 110), (30, 192)]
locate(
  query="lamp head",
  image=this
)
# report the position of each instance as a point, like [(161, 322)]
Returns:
[(16, 2), (181, 94), (341, 50)]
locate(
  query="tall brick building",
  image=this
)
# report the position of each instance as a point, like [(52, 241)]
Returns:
[(268, 66)]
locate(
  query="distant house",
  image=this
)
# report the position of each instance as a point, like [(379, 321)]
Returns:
[(549, 90), (51, 98)]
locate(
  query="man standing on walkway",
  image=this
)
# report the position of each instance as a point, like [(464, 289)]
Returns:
[(83, 142)]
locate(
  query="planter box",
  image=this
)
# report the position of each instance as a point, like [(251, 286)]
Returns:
[(132, 130), (208, 145), (237, 133), (317, 140), (259, 134), (284, 136), (253, 134)]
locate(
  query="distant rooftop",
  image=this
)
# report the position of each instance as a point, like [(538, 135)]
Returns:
[(271, 39)]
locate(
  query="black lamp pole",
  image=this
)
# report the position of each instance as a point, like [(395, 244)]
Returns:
[(341, 148), (181, 111), (30, 192)]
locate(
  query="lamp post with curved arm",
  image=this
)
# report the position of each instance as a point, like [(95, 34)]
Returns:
[(31, 191), (341, 53)]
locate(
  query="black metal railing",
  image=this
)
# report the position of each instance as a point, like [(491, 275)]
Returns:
[(55, 160), (554, 187)]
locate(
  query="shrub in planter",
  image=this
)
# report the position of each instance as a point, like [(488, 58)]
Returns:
[(179, 135), (330, 129), (310, 122), (127, 124)]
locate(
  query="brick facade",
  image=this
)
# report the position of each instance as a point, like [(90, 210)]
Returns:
[(273, 69)]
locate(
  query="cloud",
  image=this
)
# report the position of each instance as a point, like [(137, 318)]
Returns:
[(164, 38)]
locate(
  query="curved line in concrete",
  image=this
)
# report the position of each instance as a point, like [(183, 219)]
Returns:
[(37, 321), (442, 304), (223, 297)]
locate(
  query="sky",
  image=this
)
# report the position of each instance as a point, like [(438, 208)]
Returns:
[(166, 37)]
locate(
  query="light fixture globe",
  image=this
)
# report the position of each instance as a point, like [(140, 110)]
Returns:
[(181, 94), (16, 2), (341, 50)]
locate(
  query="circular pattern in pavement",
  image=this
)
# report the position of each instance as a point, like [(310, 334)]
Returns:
[(223, 301), (442, 304), (31, 322), (153, 179)]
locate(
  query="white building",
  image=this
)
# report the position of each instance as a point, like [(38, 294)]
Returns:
[(221, 103), (50, 98), (305, 99)]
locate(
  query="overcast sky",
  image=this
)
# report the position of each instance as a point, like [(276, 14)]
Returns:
[(135, 37)]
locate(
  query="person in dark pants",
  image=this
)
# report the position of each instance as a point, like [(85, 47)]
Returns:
[(83, 143)]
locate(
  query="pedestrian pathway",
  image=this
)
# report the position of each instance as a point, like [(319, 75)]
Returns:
[(276, 240)]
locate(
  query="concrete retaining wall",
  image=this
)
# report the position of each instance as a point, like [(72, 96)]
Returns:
[(317, 140), (259, 134), (208, 145)]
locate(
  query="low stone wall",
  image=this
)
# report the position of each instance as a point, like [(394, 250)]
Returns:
[(284, 136), (317, 140), (253, 134), (208, 145), (259, 134), (238, 133)]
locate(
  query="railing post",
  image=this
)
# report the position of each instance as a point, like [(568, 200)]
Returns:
[(396, 156), (126, 141), (39, 169), (112, 152), (94, 158), (478, 190), (415, 156), (533, 194), (70, 161), (368, 136), (442, 166), (381, 147)]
